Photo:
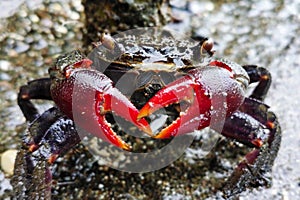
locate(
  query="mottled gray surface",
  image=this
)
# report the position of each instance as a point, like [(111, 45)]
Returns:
[(258, 32), (266, 33)]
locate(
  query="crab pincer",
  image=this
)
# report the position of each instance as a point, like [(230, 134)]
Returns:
[(112, 100), (86, 95), (204, 97)]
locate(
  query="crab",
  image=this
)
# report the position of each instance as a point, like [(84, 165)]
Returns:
[(181, 78)]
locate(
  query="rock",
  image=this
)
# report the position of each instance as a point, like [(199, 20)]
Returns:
[(8, 161)]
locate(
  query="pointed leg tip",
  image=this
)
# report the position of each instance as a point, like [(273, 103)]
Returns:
[(257, 142), (52, 158), (33, 147)]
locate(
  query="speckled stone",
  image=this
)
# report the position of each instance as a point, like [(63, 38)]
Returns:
[(8, 161)]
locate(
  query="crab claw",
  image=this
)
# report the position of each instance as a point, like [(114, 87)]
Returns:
[(113, 101), (183, 89), (212, 92), (93, 97), (85, 95)]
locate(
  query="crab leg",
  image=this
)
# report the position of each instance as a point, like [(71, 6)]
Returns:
[(36, 89)]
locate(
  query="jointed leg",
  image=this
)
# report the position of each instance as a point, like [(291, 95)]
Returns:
[(52, 134), (49, 135), (37, 89), (256, 167), (263, 77), (254, 126)]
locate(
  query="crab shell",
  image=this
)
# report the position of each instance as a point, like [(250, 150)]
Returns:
[(143, 61), (131, 70)]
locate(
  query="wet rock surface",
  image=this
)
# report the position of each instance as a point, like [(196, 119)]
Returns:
[(115, 16), (263, 33)]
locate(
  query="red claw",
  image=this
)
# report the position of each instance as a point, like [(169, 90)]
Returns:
[(204, 96), (111, 100), (121, 106), (183, 89), (114, 101), (87, 95)]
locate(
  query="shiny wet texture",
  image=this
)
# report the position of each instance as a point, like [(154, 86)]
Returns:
[(263, 33)]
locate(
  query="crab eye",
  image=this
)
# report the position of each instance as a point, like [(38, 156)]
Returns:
[(107, 41), (207, 46)]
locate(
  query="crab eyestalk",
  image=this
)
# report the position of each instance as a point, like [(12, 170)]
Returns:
[(86, 95), (206, 47), (219, 86)]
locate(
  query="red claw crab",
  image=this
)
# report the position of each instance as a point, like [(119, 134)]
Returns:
[(180, 76)]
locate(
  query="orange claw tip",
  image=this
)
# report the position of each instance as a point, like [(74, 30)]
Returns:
[(145, 111), (160, 136), (271, 125), (125, 146), (52, 158), (257, 142), (144, 126), (165, 133), (33, 147)]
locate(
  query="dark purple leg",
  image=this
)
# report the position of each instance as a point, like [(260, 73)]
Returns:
[(49, 135), (255, 126), (255, 169), (253, 121), (45, 130), (37, 89), (263, 77), (30, 181)]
